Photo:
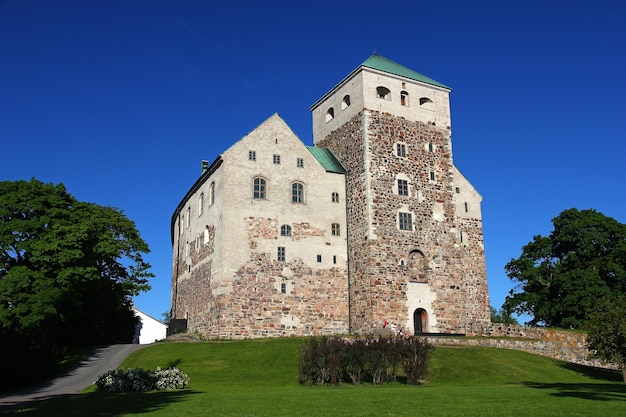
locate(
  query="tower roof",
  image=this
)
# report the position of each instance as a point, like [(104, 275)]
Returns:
[(381, 63)]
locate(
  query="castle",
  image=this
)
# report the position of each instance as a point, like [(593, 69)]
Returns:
[(373, 223)]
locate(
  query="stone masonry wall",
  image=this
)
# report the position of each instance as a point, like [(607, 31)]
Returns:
[(377, 246), (252, 304), (557, 344)]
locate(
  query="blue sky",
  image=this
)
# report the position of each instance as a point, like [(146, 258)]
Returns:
[(121, 100)]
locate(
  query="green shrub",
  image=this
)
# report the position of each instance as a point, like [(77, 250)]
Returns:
[(376, 359)]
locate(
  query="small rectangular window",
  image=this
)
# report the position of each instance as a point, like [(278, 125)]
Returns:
[(252, 155), (401, 150), (319, 258), (281, 254), (335, 197), (458, 190), (430, 146), (300, 163), (405, 221), (432, 175), (283, 288), (276, 159), (466, 208), (334, 259), (335, 230), (461, 236), (403, 187)]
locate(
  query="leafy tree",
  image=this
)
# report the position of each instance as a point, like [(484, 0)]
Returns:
[(502, 316), (606, 332), (561, 277), (68, 270)]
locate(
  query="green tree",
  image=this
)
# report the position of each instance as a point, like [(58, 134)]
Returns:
[(606, 332), (561, 277), (502, 316), (68, 270)]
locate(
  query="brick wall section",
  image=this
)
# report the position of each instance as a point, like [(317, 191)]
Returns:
[(376, 245)]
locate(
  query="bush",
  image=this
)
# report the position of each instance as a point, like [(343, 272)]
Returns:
[(138, 379), (377, 359)]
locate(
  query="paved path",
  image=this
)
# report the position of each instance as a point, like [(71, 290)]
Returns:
[(81, 376)]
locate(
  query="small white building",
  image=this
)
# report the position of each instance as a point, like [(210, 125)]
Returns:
[(149, 329)]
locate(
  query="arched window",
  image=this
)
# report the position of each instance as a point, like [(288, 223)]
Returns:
[(201, 204), (335, 229), (297, 192), (260, 188), (330, 114), (383, 92), (404, 98), (285, 230), (212, 194), (417, 266), (426, 103), (345, 103)]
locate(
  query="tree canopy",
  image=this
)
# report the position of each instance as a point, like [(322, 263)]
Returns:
[(606, 332), (68, 271), (560, 278)]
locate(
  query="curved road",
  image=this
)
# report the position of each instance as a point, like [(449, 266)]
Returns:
[(81, 376)]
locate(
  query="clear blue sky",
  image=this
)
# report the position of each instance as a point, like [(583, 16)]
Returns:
[(121, 100)]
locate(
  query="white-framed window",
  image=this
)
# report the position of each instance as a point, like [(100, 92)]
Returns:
[(401, 150), (335, 197), (403, 187), (300, 162), (251, 155), (335, 229), (285, 230), (276, 159), (297, 192), (259, 188), (281, 254), (405, 221)]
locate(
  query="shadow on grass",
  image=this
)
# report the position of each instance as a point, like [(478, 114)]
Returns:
[(593, 372), (596, 392), (99, 404)]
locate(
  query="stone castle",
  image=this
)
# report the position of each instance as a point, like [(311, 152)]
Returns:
[(373, 223)]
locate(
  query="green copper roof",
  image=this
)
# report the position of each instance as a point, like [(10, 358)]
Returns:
[(383, 64), (326, 158)]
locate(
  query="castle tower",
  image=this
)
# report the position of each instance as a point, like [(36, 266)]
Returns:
[(415, 242)]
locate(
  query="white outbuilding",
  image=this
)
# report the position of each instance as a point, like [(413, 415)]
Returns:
[(149, 329)]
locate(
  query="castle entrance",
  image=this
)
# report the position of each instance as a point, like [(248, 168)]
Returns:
[(420, 321)]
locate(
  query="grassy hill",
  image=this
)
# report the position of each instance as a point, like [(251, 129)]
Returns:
[(259, 378)]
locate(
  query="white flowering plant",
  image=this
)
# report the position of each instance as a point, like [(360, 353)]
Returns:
[(138, 379)]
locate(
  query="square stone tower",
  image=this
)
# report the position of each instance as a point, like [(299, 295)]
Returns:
[(415, 242)]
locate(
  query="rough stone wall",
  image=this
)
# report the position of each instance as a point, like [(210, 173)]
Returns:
[(195, 298), (315, 301), (348, 145), (366, 146), (557, 344)]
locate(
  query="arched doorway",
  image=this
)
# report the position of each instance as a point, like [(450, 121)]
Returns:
[(420, 321)]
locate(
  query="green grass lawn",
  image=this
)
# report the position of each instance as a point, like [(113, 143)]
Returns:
[(259, 378)]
